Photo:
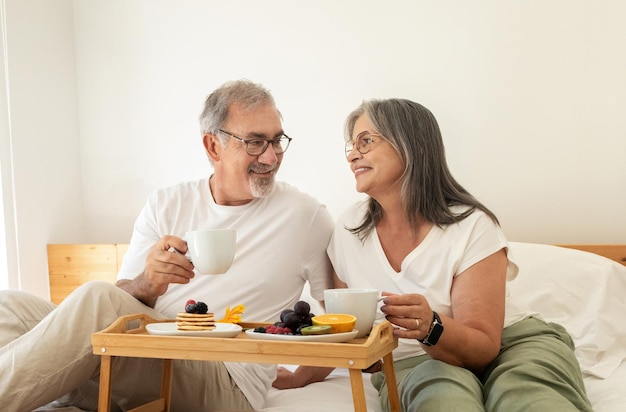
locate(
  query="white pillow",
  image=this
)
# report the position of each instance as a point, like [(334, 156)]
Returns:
[(583, 292)]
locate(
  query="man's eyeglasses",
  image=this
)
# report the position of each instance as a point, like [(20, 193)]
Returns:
[(363, 143), (256, 147)]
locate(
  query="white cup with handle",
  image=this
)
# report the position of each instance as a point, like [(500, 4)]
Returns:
[(211, 251), (359, 302)]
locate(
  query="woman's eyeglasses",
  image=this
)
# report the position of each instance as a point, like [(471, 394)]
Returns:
[(362, 143)]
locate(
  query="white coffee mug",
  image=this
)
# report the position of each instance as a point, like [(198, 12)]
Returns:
[(361, 303), (211, 251)]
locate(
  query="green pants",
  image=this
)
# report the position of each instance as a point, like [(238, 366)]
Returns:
[(536, 370)]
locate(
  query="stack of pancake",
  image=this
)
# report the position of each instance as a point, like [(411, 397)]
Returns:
[(195, 321)]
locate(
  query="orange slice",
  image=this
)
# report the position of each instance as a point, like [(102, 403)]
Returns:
[(339, 322)]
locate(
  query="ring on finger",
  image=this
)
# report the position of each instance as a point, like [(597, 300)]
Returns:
[(417, 323)]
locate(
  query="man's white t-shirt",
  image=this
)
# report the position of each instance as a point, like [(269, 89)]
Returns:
[(428, 270), (281, 244)]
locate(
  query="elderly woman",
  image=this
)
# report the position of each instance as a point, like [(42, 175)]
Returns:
[(441, 260)]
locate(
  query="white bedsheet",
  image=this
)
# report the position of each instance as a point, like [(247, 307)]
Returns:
[(608, 395), (333, 394)]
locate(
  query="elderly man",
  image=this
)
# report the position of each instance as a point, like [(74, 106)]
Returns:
[(282, 236)]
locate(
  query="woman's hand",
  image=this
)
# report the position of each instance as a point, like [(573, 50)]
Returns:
[(410, 312)]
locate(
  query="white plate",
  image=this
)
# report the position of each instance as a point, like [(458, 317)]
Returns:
[(222, 330), (329, 337)]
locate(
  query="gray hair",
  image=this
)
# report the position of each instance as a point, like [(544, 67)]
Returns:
[(244, 92), (428, 188)]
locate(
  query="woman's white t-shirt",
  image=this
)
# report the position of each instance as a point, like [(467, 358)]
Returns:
[(428, 270), (281, 244)]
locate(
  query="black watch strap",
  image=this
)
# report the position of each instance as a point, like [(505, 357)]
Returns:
[(435, 331)]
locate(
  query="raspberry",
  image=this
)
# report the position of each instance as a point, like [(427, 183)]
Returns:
[(190, 302)]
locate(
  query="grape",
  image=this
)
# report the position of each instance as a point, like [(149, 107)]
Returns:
[(292, 321), (302, 308), (284, 313)]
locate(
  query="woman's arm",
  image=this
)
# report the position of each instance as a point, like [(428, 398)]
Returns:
[(471, 337)]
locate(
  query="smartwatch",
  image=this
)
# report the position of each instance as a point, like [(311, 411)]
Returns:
[(435, 331)]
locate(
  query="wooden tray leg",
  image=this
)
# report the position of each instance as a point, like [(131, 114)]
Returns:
[(104, 395), (358, 391), (392, 384), (166, 383)]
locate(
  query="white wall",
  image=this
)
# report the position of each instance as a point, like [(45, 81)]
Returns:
[(7, 234), (529, 95), (41, 179)]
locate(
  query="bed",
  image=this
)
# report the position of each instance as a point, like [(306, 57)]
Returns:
[(583, 291)]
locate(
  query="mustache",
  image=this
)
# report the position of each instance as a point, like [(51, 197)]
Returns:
[(261, 168)]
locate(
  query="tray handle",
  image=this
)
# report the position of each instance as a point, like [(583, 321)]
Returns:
[(135, 323), (381, 333)]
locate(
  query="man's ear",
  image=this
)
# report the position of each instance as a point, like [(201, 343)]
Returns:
[(213, 146)]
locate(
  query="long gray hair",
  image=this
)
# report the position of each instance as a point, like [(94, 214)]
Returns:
[(244, 92), (428, 188)]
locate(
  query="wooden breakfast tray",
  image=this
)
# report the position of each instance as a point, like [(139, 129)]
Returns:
[(128, 337)]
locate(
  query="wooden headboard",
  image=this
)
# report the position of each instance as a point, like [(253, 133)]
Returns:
[(613, 252), (69, 266)]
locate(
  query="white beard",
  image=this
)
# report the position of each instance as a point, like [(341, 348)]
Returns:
[(262, 187)]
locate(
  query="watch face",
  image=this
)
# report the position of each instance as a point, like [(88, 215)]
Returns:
[(435, 331), (435, 334)]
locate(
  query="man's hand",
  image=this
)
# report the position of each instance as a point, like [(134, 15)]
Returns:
[(162, 268), (302, 376)]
